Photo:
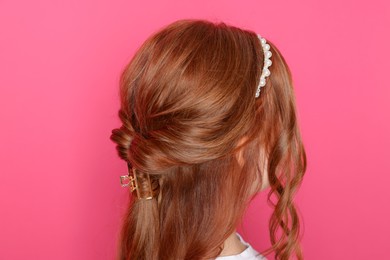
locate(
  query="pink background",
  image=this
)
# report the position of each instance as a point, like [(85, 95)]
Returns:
[(60, 61)]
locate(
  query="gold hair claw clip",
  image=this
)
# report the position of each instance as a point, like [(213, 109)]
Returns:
[(132, 182)]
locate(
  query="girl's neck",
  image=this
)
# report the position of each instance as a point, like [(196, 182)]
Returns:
[(232, 245)]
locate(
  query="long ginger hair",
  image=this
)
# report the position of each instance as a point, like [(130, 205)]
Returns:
[(187, 99)]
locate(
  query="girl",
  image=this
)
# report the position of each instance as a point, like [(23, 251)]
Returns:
[(208, 120)]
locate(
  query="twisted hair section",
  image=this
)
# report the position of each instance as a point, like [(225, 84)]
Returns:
[(187, 99)]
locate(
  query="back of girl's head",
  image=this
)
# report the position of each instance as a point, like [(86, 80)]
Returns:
[(188, 107)]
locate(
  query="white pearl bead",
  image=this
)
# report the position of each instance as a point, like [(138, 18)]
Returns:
[(262, 82)]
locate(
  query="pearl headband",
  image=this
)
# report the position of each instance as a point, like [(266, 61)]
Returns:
[(267, 62)]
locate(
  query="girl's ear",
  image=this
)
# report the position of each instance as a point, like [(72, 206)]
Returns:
[(263, 163), (239, 154), (264, 172), (264, 169)]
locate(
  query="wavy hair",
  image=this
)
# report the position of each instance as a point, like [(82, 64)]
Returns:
[(187, 99)]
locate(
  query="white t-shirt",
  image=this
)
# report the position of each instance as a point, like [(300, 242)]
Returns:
[(248, 254)]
